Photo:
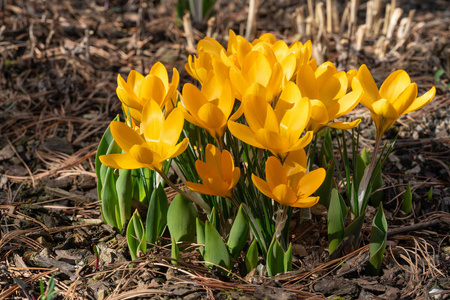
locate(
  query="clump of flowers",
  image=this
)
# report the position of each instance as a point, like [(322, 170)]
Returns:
[(245, 153)]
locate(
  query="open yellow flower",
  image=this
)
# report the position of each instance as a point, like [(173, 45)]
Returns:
[(277, 130), (138, 90), (258, 68), (289, 184), (218, 173), (211, 107), (327, 90), (397, 96), (156, 142)]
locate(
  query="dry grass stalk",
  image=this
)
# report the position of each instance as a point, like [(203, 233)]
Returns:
[(251, 20), (396, 14), (188, 32), (300, 21)]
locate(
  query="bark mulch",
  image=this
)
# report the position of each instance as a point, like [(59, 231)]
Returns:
[(59, 62)]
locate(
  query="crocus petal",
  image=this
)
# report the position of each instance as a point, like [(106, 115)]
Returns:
[(244, 133), (134, 81), (275, 174), (311, 182), (199, 188), (302, 142), (284, 195), (152, 88), (307, 82), (171, 130), (295, 120), (272, 141), (120, 161), (259, 114), (394, 85), (384, 108), (152, 122), (319, 113), (422, 100), (345, 125), (368, 84), (178, 149), (160, 71), (345, 104), (227, 165), (405, 99), (305, 202), (125, 136), (262, 186), (212, 116), (213, 160), (333, 88), (126, 98), (143, 154), (218, 186), (324, 72)]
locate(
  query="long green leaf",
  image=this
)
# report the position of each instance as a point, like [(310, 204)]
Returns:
[(109, 201), (335, 222), (251, 258), (215, 250), (124, 188), (407, 200), (181, 217), (377, 245), (275, 261), (156, 217), (324, 190), (238, 233), (102, 149), (135, 236)]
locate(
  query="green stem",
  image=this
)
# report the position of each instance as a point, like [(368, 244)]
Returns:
[(362, 190)]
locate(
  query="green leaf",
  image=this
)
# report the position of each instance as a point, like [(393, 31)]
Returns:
[(238, 233), (377, 197), (354, 228), (251, 259), (215, 250), (407, 200), (324, 190), (288, 259), (327, 147), (124, 188), (438, 74), (109, 200), (181, 217), (156, 215), (102, 149), (430, 194), (377, 245), (200, 226), (275, 261), (336, 220), (175, 252), (136, 236)]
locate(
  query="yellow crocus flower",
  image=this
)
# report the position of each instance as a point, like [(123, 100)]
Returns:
[(327, 90), (397, 96), (138, 90), (211, 107), (218, 173), (279, 129), (288, 183), (156, 142)]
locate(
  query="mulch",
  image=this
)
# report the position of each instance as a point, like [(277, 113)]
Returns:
[(59, 62)]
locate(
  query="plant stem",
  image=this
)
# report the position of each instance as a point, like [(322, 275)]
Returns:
[(197, 200), (362, 190)]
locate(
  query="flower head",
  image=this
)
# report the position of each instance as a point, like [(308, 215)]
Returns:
[(327, 90), (211, 107), (138, 90), (397, 96), (279, 129), (218, 173), (156, 142), (289, 184)]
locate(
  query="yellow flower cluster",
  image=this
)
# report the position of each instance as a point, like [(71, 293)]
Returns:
[(283, 96)]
